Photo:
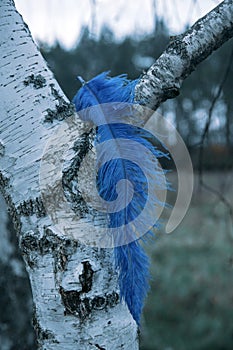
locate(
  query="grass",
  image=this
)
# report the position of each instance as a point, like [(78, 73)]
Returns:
[(190, 304)]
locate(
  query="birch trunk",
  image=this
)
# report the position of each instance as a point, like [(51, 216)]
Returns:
[(75, 293)]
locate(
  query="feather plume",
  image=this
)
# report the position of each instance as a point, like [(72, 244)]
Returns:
[(130, 259)]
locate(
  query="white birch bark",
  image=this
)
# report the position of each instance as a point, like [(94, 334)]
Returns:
[(74, 287), (164, 78)]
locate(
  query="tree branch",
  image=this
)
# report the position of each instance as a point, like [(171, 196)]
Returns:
[(164, 78)]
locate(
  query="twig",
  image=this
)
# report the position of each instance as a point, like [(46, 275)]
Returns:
[(203, 136)]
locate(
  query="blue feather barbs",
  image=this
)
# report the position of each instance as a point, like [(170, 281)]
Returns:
[(130, 180)]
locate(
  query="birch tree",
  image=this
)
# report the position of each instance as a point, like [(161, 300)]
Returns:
[(74, 286)]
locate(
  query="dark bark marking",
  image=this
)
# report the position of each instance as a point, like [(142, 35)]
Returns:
[(31, 207), (60, 248), (112, 299), (29, 242), (4, 182), (81, 148), (78, 303), (81, 307), (99, 303), (26, 208), (99, 347), (37, 81), (71, 301), (63, 109), (63, 252), (86, 277)]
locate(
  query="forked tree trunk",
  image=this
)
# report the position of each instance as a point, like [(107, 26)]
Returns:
[(75, 293)]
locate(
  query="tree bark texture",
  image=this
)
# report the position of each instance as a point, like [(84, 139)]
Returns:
[(75, 292), (74, 287), (164, 78)]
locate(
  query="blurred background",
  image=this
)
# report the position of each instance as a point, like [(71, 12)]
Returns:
[(190, 304)]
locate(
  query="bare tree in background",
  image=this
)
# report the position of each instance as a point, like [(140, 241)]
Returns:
[(75, 293)]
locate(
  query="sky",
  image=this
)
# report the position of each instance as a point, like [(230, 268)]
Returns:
[(62, 20)]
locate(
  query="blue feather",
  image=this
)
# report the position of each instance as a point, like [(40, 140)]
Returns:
[(103, 89), (130, 259)]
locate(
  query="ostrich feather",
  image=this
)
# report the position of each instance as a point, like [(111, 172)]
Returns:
[(130, 258)]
